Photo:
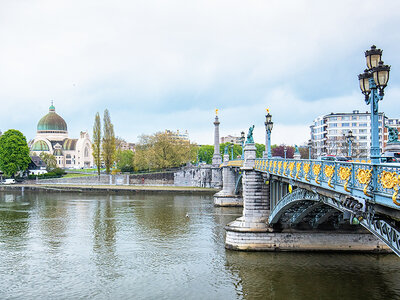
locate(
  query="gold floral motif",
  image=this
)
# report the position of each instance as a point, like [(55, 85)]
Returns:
[(279, 167), (390, 180), (270, 165), (284, 168), (316, 170), (364, 177), (291, 167), (298, 167), (273, 169), (306, 168), (344, 174), (329, 171)]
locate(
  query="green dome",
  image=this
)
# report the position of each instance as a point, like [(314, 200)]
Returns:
[(40, 146), (52, 122)]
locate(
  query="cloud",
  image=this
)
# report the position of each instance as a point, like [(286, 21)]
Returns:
[(168, 64)]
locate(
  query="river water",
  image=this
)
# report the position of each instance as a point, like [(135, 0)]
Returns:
[(162, 246)]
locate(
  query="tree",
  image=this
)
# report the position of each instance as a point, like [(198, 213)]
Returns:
[(108, 144), (124, 159), (14, 152), (205, 153), (260, 148), (50, 160), (280, 151), (96, 145), (162, 150)]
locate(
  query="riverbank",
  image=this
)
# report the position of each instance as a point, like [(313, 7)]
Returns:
[(107, 188)]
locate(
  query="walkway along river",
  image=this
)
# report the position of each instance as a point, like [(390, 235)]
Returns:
[(162, 245)]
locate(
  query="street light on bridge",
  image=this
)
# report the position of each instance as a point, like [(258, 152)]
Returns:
[(268, 128), (373, 79), (242, 139), (309, 144), (350, 139)]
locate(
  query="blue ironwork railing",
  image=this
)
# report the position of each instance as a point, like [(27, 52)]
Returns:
[(375, 183)]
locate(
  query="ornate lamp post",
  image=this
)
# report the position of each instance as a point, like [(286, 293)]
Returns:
[(231, 146), (284, 150), (242, 139), (309, 144), (268, 128), (373, 79), (350, 139)]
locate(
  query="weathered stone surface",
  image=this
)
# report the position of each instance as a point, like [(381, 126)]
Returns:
[(303, 241)]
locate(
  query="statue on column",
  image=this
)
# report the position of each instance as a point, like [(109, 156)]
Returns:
[(250, 139), (393, 134)]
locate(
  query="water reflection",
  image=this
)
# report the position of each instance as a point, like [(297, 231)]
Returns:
[(146, 246)]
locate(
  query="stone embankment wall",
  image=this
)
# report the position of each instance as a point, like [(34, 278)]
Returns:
[(194, 176), (164, 178)]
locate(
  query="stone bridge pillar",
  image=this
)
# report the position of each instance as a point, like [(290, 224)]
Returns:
[(244, 232), (227, 196)]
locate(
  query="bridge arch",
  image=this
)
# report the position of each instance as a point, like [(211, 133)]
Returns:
[(381, 228)]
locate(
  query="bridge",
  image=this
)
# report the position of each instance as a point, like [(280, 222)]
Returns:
[(303, 204)]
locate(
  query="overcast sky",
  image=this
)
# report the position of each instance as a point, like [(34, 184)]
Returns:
[(159, 65)]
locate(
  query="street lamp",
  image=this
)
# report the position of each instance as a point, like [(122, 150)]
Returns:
[(309, 144), (231, 146), (242, 139), (268, 128), (374, 78), (350, 139), (284, 150)]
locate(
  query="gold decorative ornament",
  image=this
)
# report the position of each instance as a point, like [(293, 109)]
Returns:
[(216, 112), (298, 166), (291, 167), (344, 174), (306, 168), (270, 165), (390, 180), (273, 169), (364, 177), (279, 167), (316, 170), (284, 168), (290, 188), (329, 171)]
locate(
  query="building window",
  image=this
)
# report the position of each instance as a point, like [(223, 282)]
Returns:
[(354, 124), (346, 125), (362, 125), (333, 125), (362, 130)]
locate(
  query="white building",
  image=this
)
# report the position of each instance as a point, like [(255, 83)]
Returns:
[(328, 133), (52, 137)]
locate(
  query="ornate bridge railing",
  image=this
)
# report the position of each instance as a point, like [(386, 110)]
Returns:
[(235, 163), (376, 183)]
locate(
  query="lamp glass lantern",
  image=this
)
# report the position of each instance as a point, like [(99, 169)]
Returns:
[(268, 121), (373, 57), (381, 75)]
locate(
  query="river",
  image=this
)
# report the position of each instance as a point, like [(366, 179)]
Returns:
[(162, 246)]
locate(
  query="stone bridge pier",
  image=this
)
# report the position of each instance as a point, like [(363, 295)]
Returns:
[(227, 196), (244, 232)]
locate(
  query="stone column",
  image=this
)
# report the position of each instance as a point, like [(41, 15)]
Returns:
[(216, 173)]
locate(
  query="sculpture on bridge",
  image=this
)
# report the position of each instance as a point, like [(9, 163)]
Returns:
[(226, 149), (393, 134), (250, 139), (296, 149)]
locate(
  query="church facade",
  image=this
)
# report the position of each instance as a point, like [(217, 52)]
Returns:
[(52, 137)]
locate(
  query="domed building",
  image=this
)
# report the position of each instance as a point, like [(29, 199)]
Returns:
[(52, 137)]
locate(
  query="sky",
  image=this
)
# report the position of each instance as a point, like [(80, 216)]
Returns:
[(159, 65)]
